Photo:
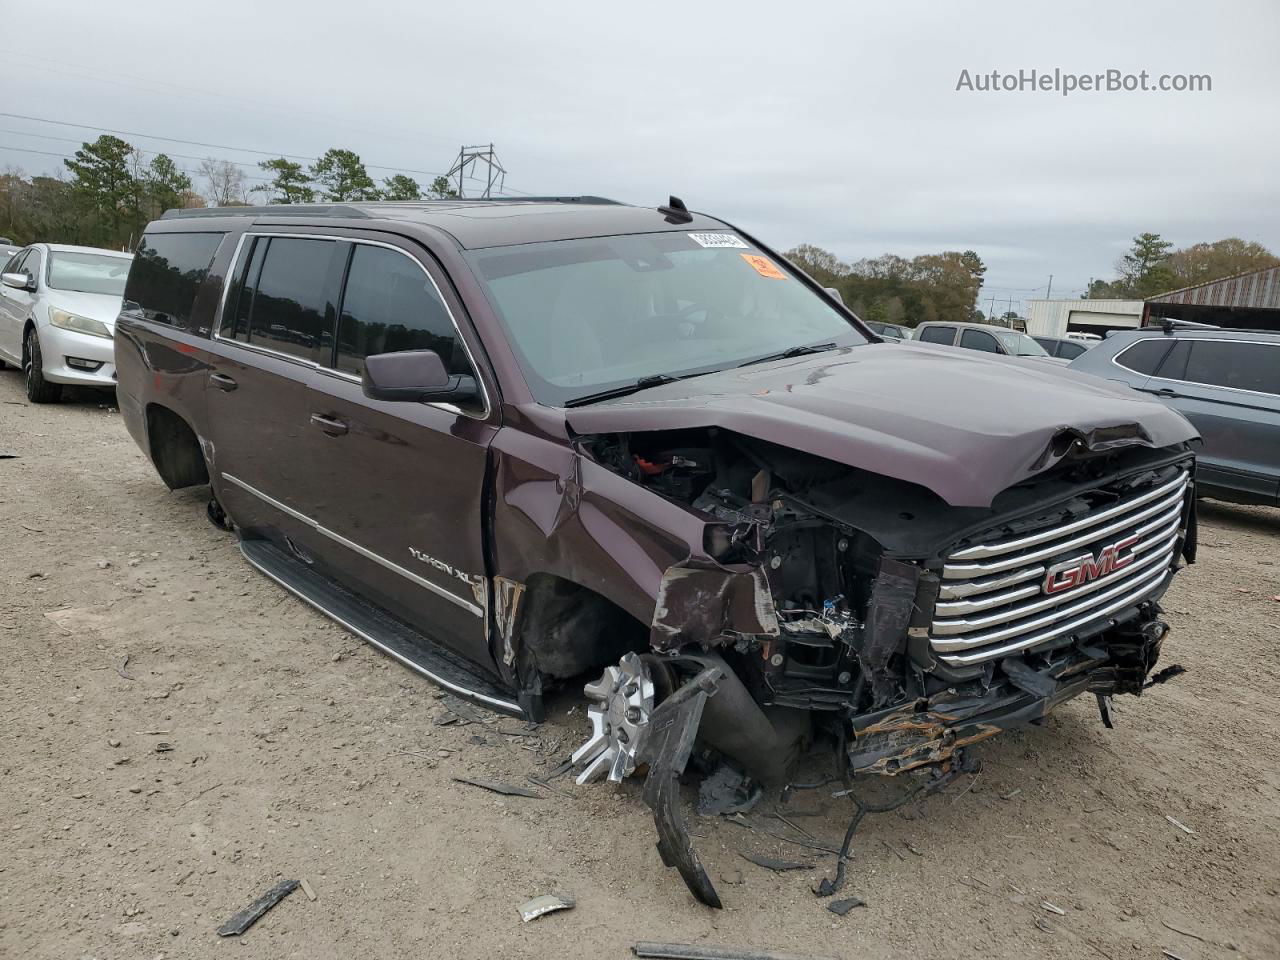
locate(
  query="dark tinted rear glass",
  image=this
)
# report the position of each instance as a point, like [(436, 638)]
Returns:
[(290, 309), (166, 275), (1239, 365), (1068, 350), (937, 335), (1144, 356), (391, 305), (979, 340)]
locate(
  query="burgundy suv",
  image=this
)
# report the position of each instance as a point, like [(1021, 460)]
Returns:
[(515, 443)]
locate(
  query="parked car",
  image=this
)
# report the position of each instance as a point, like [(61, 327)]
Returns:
[(7, 250), (517, 443), (58, 307), (1226, 382), (984, 337), (897, 331), (1062, 348)]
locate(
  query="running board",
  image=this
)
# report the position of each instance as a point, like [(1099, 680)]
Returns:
[(398, 641)]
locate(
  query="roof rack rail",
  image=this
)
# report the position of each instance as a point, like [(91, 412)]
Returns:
[(549, 199), (289, 209), (1168, 324)]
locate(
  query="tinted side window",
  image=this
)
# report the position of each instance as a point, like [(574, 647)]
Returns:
[(979, 340), (289, 309), (1069, 351), (1144, 356), (17, 263), (1241, 366), (166, 275), (389, 304), (1174, 365), (938, 335), (235, 317)]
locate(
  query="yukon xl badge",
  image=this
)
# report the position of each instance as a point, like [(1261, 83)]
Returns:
[(1076, 573)]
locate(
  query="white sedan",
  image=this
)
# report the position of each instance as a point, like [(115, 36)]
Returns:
[(58, 307)]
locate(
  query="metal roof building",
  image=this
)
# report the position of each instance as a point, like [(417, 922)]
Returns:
[(1247, 300)]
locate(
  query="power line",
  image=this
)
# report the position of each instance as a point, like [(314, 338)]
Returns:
[(69, 156), (201, 143)]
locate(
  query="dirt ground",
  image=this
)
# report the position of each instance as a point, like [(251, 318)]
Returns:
[(177, 734)]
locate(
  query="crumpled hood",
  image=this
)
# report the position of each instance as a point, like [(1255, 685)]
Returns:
[(97, 306), (958, 422)]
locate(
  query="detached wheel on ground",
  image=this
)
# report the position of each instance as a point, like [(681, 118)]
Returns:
[(39, 390)]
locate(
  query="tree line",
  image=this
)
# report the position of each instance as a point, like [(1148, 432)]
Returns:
[(107, 193), (944, 286), (893, 289), (1152, 266)]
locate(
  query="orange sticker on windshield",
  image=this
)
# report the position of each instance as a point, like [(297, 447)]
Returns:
[(764, 266)]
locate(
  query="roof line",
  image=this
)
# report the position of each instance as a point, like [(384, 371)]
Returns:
[(1209, 283)]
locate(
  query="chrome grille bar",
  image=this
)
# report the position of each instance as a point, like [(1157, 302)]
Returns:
[(1006, 546), (986, 601), (959, 571), (948, 644), (991, 653), (993, 601), (946, 627)]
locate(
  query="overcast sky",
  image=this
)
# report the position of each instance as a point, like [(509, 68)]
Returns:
[(835, 123)]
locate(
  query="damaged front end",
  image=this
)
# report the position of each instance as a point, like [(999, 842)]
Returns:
[(835, 607)]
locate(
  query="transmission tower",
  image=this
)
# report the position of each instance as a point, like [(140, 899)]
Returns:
[(464, 168)]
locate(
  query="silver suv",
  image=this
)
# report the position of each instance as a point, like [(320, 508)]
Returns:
[(1226, 382)]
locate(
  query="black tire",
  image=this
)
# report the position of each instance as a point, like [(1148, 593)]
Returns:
[(39, 390)]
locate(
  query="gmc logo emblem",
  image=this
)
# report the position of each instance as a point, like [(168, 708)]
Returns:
[(1076, 573)]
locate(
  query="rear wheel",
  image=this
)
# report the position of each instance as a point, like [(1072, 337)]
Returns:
[(39, 390)]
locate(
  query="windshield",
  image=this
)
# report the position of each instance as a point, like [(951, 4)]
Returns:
[(1021, 345), (586, 316), (88, 272)]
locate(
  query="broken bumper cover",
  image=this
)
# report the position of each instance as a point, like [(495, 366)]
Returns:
[(918, 733)]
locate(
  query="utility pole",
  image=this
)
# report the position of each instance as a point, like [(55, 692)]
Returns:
[(464, 166), (1048, 294)]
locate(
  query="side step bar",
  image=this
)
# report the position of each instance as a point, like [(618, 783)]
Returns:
[(415, 650)]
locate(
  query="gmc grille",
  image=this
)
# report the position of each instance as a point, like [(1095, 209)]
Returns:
[(995, 597)]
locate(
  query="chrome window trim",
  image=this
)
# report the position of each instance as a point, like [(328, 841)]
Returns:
[(1197, 383), (357, 548), (457, 329)]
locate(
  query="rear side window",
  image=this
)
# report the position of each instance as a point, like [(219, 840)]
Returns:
[(285, 297), (1068, 350), (1144, 356), (390, 304), (1240, 366), (166, 275), (978, 340), (938, 335)]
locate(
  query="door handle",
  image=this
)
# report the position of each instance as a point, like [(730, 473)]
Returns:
[(330, 425), (222, 381), (1165, 393)]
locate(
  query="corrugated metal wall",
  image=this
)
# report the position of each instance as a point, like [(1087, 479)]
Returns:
[(1259, 290)]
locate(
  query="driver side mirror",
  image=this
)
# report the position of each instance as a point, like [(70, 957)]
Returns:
[(19, 281), (417, 376)]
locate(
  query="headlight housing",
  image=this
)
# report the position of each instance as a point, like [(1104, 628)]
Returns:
[(79, 324)]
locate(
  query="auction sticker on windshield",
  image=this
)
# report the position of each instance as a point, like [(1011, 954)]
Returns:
[(718, 240), (764, 266)]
